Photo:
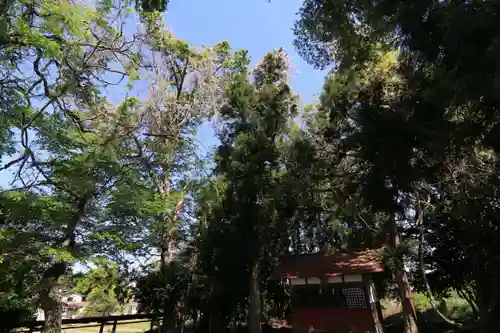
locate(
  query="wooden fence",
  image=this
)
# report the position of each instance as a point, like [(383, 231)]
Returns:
[(100, 322)]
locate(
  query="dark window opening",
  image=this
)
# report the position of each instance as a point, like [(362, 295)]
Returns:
[(306, 296)]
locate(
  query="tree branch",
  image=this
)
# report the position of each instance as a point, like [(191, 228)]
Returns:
[(420, 222)]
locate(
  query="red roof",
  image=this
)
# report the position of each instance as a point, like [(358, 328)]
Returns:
[(330, 263)]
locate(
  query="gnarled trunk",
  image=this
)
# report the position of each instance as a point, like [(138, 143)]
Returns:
[(254, 306), (52, 308), (50, 298), (168, 320), (215, 321)]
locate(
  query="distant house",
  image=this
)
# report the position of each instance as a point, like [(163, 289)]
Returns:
[(71, 297), (73, 305)]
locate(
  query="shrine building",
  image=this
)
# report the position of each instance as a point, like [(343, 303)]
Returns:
[(333, 290)]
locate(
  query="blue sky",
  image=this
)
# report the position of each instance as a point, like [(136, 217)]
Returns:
[(255, 25)]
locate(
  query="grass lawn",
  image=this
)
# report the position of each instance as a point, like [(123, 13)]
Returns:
[(123, 328)]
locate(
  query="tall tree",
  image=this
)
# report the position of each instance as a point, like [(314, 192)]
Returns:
[(367, 185), (186, 90), (447, 115), (255, 120)]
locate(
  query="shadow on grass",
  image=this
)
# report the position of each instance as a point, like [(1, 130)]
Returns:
[(428, 322)]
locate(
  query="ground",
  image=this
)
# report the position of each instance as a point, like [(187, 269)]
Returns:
[(123, 328)]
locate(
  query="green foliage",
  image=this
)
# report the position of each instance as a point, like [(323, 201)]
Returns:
[(246, 218), (422, 302), (99, 286), (154, 290), (101, 302), (152, 5), (14, 311), (460, 310), (421, 133)]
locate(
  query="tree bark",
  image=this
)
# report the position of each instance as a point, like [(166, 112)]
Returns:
[(254, 305), (52, 307), (489, 307), (470, 299), (168, 319), (489, 314), (50, 298), (404, 288), (406, 296), (167, 248), (215, 323)]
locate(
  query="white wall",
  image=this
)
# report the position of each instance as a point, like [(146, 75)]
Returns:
[(72, 298), (40, 315)]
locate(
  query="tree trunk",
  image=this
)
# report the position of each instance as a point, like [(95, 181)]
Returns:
[(406, 296), (489, 323), (168, 320), (466, 295), (420, 221), (404, 288), (489, 320), (489, 313), (489, 302), (169, 323), (215, 325), (254, 306), (50, 299), (195, 321), (53, 319)]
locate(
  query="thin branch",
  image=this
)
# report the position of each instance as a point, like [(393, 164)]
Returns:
[(11, 163), (420, 222)]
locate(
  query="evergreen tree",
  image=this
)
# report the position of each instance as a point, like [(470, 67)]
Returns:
[(255, 121)]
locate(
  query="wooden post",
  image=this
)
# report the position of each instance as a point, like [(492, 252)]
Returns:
[(101, 330), (372, 302), (113, 330)]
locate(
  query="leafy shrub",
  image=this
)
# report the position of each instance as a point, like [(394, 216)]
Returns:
[(14, 312), (459, 309), (422, 302)]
